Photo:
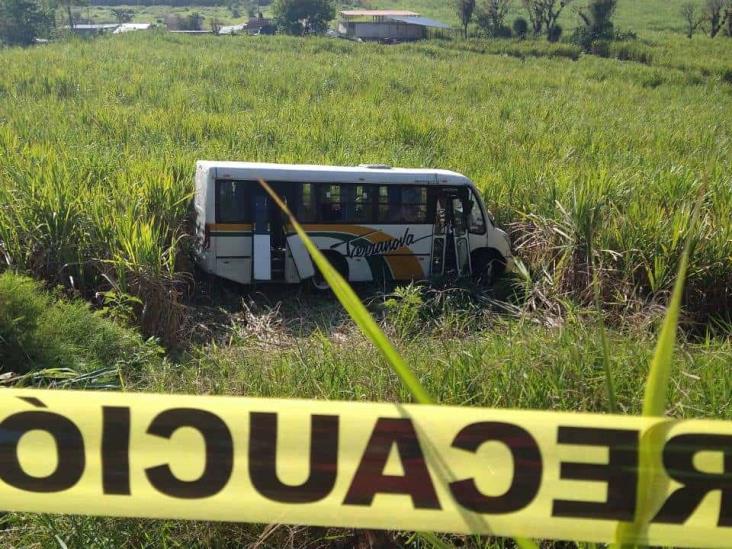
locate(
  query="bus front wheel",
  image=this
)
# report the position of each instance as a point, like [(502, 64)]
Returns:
[(488, 265)]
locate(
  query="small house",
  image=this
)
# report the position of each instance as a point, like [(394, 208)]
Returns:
[(386, 25)]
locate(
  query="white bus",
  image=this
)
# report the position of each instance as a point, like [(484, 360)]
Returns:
[(373, 222)]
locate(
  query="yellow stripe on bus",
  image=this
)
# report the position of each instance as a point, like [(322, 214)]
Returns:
[(234, 227)]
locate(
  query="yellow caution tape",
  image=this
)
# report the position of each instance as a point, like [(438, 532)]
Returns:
[(545, 475)]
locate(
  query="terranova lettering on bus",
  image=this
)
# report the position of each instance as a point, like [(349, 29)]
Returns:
[(360, 246), (466, 470)]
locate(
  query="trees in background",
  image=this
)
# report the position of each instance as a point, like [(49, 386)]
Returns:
[(717, 13), (303, 16), (22, 21), (123, 15), (491, 18), (465, 9), (520, 28), (67, 5), (192, 22), (691, 18), (596, 23), (534, 9), (195, 21), (713, 16), (544, 16)]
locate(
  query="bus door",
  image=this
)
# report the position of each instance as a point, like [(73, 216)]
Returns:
[(460, 231), (450, 244), (271, 240), (262, 249)]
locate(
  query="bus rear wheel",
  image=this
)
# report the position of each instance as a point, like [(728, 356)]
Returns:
[(318, 282)]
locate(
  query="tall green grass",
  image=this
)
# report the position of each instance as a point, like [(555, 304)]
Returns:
[(592, 163), (656, 386), (97, 153), (483, 359)]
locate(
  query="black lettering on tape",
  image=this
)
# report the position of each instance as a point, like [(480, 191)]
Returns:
[(70, 461), (527, 468), (263, 459), (369, 478), (115, 450), (620, 473), (219, 453), (678, 460)]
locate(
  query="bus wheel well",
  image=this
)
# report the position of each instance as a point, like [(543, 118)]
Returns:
[(488, 264), (338, 262)]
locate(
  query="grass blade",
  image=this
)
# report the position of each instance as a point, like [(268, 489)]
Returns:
[(609, 384), (652, 482), (654, 399)]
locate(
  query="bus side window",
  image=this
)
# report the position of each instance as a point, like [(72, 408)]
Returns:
[(231, 202), (458, 213), (306, 207), (388, 200), (476, 220), (413, 205), (331, 207), (360, 200)]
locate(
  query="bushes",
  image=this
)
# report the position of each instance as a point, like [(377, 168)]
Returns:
[(58, 222), (630, 51), (22, 21), (520, 28), (491, 18), (555, 33), (39, 331), (597, 24), (623, 51)]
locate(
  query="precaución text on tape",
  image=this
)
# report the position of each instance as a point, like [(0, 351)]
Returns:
[(543, 475)]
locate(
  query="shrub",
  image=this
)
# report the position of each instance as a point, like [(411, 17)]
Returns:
[(555, 33), (403, 310), (22, 21), (20, 308), (40, 331), (520, 27), (601, 48), (491, 18), (503, 31), (596, 24), (629, 51), (303, 16)]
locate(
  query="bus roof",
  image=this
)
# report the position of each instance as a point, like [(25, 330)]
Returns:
[(305, 173)]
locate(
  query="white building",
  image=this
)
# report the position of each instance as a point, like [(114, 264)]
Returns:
[(128, 27)]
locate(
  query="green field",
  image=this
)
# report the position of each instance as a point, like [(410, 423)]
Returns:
[(587, 161), (647, 17), (156, 14), (638, 15)]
